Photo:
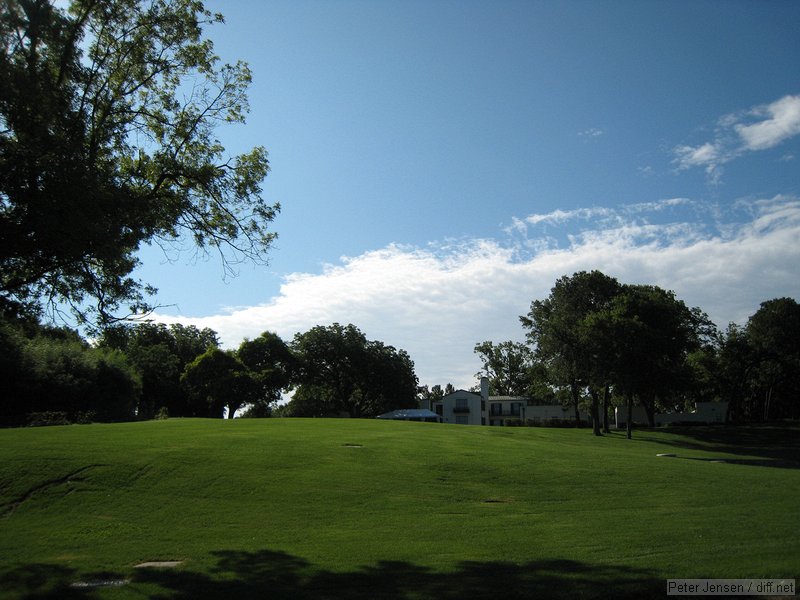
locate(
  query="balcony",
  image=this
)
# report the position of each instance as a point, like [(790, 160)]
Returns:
[(460, 410), (505, 414)]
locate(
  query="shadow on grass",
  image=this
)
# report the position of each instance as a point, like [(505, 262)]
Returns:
[(774, 445), (276, 575), (40, 581)]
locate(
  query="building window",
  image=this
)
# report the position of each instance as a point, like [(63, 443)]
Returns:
[(462, 420), (515, 408), (439, 409), (497, 408), (462, 405)]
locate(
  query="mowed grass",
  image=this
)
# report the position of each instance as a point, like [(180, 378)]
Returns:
[(293, 508)]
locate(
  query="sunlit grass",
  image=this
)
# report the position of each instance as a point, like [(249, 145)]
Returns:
[(341, 496)]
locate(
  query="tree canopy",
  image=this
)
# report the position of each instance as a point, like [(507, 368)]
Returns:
[(340, 371), (219, 381), (773, 334), (51, 376), (508, 366), (592, 333), (561, 332), (160, 353), (108, 111)]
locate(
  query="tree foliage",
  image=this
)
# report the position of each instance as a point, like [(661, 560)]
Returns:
[(54, 371), (773, 335), (594, 334), (340, 371), (219, 380), (651, 334), (508, 366), (108, 111), (160, 353), (564, 336), (273, 367)]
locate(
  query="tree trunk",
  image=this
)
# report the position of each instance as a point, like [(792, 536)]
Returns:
[(595, 411), (629, 422), (650, 409), (606, 393), (576, 398)]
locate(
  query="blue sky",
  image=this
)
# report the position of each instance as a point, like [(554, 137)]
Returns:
[(441, 163)]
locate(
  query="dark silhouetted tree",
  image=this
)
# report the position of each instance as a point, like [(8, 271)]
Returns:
[(219, 380), (108, 113), (340, 371)]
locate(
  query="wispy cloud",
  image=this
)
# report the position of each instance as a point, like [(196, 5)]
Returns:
[(591, 133), (759, 128), (436, 302), (775, 123), (559, 216)]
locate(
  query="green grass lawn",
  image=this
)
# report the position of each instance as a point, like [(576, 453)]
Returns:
[(293, 508)]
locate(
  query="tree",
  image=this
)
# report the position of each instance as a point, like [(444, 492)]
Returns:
[(651, 334), (736, 363), (272, 366), (428, 396), (107, 118), (53, 370), (220, 380), (340, 371), (160, 353), (773, 334), (507, 365), (564, 339)]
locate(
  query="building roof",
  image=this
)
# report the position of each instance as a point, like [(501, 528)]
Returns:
[(459, 391), (409, 413)]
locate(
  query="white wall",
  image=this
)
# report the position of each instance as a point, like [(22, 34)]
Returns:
[(473, 401)]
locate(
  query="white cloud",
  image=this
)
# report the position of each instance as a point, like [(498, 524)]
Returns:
[(688, 156), (438, 302), (559, 216), (782, 122), (756, 129), (591, 133)]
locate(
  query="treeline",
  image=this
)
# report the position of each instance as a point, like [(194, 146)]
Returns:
[(597, 343), (593, 344), (147, 370)]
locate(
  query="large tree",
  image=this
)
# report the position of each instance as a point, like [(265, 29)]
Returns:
[(773, 335), (563, 338), (340, 371), (508, 366), (272, 366), (220, 381), (160, 354), (651, 334), (108, 112)]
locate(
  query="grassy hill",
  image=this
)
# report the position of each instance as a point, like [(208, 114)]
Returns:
[(288, 508)]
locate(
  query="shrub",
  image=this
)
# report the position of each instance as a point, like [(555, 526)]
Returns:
[(49, 417)]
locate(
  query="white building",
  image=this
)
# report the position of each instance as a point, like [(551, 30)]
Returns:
[(472, 408)]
